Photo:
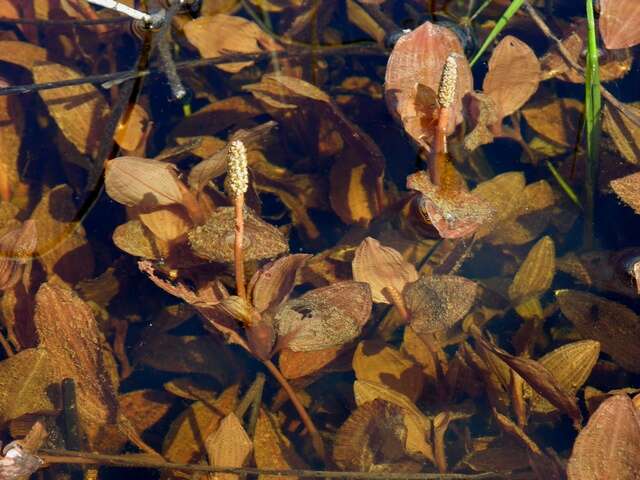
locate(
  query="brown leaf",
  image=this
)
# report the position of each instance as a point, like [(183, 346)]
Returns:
[(624, 132), (557, 120), (628, 190), (17, 247), (222, 34), (377, 362), (133, 181), (167, 223), (571, 365), (131, 134), (381, 267), (135, 239), (608, 446), (417, 424), (228, 446), (11, 132), (418, 58), (540, 379), (62, 244), (272, 449), (513, 76), (610, 323), (79, 110), (272, 284), (436, 303), (536, 273), (215, 239), (69, 332), (184, 442), (325, 317), (145, 408), (26, 381), (454, 213), (373, 439), (301, 364), (618, 23), (482, 114), (193, 388), (25, 54)]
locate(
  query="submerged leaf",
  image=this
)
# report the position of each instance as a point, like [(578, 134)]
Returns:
[(619, 23), (536, 273), (228, 446), (272, 284), (436, 303), (610, 323), (628, 190), (373, 440), (325, 317), (381, 267), (17, 247), (609, 446)]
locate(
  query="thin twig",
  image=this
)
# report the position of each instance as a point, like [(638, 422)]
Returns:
[(7, 347), (367, 48), (130, 461), (71, 22), (316, 439), (255, 406)]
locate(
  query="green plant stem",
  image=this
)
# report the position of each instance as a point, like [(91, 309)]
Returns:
[(566, 188), (500, 24), (593, 120)]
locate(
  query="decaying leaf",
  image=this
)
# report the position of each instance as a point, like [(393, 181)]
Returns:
[(68, 331), (215, 239), (608, 447), (437, 302), (536, 273), (301, 364), (11, 131), (373, 439), (325, 317), (377, 362), (132, 237), (272, 449), (228, 446), (557, 120), (570, 365), (417, 424), (22, 393), (624, 133), (144, 408), (513, 76), (184, 443), (79, 110), (610, 323), (16, 249), (628, 190), (381, 267), (540, 379), (504, 194), (454, 213)]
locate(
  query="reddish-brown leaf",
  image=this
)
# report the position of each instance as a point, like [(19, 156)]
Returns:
[(618, 23)]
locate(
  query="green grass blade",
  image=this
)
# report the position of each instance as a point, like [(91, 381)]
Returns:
[(500, 24), (593, 115), (566, 188)]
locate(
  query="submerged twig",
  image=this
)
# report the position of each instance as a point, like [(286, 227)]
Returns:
[(130, 461)]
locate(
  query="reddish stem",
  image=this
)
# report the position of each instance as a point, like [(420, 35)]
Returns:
[(238, 251)]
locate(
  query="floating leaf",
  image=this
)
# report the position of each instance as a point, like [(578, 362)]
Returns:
[(381, 267), (22, 393), (571, 365), (272, 449), (373, 440), (382, 364), (536, 273), (610, 323), (79, 110), (418, 58), (513, 76), (325, 317), (218, 35), (215, 239), (228, 446), (436, 303), (628, 189), (133, 181), (618, 23), (608, 446)]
